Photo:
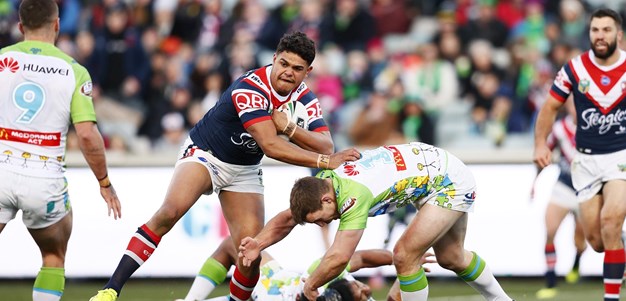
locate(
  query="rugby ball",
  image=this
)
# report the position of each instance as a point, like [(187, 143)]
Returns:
[(296, 112)]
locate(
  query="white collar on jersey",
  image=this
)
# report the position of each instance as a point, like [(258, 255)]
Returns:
[(622, 58)]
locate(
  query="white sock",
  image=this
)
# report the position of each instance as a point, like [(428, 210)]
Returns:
[(421, 295), (42, 296), (487, 285), (200, 289)]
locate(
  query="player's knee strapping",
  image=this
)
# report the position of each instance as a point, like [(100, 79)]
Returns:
[(49, 281), (213, 271), (475, 268), (414, 282)]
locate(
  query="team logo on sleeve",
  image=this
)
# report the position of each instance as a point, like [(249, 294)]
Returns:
[(583, 86), (86, 89), (347, 205), (10, 64)]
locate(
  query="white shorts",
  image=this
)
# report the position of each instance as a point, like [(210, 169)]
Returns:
[(224, 176), (43, 201), (590, 172), (460, 192), (564, 196)]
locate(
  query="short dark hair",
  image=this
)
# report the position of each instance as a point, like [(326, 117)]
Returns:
[(338, 290), (607, 12), (298, 43), (305, 197), (35, 14)]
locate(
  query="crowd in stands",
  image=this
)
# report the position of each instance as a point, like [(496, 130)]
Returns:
[(386, 71)]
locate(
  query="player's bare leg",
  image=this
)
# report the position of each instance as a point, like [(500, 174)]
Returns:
[(414, 242), (242, 223), (182, 193), (612, 220), (553, 217), (589, 216), (52, 242), (452, 255), (189, 181), (581, 245), (213, 271)]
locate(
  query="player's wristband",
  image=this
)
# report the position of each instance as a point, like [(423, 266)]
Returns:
[(323, 159), (290, 129), (105, 182)]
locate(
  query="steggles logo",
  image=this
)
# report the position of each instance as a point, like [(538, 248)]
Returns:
[(9, 63)]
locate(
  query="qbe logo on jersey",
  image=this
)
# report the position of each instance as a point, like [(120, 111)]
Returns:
[(248, 100)]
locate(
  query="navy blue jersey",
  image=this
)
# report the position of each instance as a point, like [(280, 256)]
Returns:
[(250, 99), (599, 93)]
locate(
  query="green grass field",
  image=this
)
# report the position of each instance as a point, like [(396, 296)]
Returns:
[(441, 289)]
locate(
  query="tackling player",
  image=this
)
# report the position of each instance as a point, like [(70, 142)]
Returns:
[(384, 179)]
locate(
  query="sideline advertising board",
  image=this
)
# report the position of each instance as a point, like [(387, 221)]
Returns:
[(506, 228)]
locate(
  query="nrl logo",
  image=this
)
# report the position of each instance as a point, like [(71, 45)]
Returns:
[(583, 86)]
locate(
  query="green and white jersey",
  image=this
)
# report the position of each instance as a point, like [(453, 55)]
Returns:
[(278, 284), (43, 91), (394, 176)]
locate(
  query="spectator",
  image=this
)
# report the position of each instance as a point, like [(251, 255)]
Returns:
[(376, 124), (385, 10), (119, 63), (277, 23), (531, 30), (573, 23), (187, 22), (491, 108), (511, 12), (247, 18), (486, 26), (142, 14), (214, 86), (69, 15), (174, 133), (432, 82), (356, 80), (309, 19), (212, 21), (349, 26)]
